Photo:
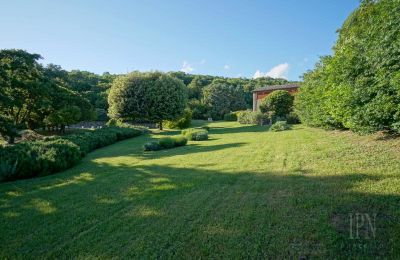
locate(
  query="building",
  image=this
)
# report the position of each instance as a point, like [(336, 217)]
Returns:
[(261, 93)]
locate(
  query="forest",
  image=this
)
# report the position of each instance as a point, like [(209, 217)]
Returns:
[(36, 96)]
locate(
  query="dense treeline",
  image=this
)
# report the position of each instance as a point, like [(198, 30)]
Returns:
[(35, 96), (358, 87)]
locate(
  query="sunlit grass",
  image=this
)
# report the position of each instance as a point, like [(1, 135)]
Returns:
[(245, 193)]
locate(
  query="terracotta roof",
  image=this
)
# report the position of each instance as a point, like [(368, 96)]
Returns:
[(277, 87)]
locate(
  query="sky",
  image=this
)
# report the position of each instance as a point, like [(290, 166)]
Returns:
[(230, 38)]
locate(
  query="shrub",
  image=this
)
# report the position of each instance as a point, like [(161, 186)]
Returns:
[(195, 134), (167, 142), (292, 118), (251, 117), (230, 116), (44, 157), (152, 146), (26, 160), (180, 140), (183, 122), (280, 126)]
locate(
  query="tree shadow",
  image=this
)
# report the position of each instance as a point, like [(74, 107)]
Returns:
[(127, 211), (241, 129)]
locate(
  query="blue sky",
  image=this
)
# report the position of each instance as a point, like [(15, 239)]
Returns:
[(227, 38)]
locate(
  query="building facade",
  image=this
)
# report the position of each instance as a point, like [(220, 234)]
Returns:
[(261, 93)]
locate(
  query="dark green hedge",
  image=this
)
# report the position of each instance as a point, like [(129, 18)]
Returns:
[(39, 158)]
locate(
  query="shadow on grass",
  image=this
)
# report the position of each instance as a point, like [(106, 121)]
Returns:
[(168, 211)]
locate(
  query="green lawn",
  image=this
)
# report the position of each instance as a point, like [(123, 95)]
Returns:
[(245, 193)]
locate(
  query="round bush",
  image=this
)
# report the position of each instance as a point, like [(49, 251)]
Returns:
[(180, 140), (280, 126), (167, 142), (195, 134), (152, 146)]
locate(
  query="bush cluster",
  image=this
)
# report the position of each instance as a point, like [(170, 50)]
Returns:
[(280, 126), (230, 116), (165, 143), (54, 154), (251, 117), (195, 134)]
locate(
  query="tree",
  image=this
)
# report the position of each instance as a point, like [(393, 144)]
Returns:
[(21, 89), (358, 87), (222, 98), (278, 104), (152, 96)]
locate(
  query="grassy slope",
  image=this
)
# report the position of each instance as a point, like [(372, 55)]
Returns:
[(244, 193)]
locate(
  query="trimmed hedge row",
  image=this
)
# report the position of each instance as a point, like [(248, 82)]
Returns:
[(54, 154), (165, 143)]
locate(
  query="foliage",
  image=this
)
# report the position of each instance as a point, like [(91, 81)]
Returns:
[(165, 143), (358, 87), (278, 104), (199, 109), (180, 140), (279, 126), (195, 134), (152, 146), (30, 159), (153, 96), (231, 116), (251, 117), (21, 89), (222, 98), (292, 118), (53, 154), (180, 123)]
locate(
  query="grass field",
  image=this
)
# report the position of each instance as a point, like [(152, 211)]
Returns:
[(245, 193)]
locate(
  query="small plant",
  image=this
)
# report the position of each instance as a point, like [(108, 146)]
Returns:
[(280, 126), (180, 140), (152, 146), (195, 134), (167, 142)]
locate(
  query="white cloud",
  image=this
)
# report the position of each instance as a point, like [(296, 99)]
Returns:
[(227, 67), (203, 61), (186, 67), (279, 71)]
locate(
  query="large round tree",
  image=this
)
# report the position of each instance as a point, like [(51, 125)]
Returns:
[(279, 103), (153, 96)]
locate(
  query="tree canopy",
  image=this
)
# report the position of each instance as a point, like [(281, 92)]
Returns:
[(152, 96), (358, 87), (277, 104)]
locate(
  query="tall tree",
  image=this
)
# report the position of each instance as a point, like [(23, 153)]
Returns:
[(222, 98), (152, 96), (21, 89)]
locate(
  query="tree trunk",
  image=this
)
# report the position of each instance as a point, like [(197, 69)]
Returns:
[(160, 125)]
